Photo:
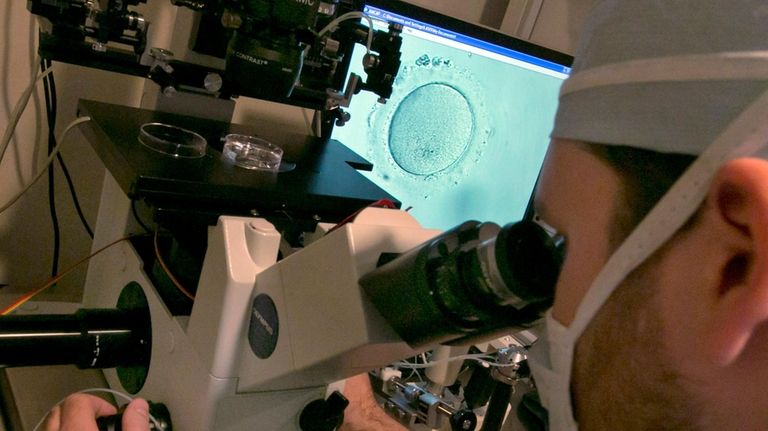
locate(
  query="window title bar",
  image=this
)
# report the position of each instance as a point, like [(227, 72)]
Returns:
[(384, 15)]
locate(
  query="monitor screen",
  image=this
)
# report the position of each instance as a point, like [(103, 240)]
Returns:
[(465, 132)]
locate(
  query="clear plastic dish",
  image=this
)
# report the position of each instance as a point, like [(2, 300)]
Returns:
[(250, 152), (172, 140)]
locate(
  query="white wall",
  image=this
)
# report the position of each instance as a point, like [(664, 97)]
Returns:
[(486, 12), (550, 23), (26, 239), (558, 23), (25, 229)]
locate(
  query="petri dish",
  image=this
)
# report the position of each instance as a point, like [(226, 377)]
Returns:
[(172, 140), (253, 153)]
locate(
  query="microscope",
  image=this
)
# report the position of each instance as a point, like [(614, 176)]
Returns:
[(286, 294)]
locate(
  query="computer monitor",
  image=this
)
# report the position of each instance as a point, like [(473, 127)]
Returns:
[(465, 132)]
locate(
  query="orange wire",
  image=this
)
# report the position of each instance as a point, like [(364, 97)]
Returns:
[(169, 273), (29, 295)]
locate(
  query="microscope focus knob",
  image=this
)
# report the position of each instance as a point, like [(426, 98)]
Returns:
[(324, 415), (463, 420)]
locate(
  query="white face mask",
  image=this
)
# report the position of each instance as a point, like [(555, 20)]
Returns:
[(551, 359)]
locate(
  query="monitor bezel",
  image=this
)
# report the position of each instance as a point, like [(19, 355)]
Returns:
[(482, 33)]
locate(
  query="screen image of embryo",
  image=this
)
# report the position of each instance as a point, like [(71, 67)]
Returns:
[(463, 135)]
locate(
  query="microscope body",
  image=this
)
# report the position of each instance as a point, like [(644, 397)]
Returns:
[(268, 334), (204, 366)]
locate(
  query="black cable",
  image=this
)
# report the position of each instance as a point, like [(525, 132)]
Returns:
[(497, 408), (50, 106), (64, 169), (73, 193), (138, 219), (51, 109)]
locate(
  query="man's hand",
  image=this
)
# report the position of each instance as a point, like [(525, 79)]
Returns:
[(363, 413), (78, 412)]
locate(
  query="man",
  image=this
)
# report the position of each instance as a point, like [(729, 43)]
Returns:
[(667, 331), (665, 328)]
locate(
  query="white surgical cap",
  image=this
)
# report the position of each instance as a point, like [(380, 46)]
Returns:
[(677, 117)]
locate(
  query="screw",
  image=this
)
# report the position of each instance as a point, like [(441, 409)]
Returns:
[(370, 61), (213, 82), (99, 46)]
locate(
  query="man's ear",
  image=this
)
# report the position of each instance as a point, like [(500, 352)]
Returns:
[(738, 201)]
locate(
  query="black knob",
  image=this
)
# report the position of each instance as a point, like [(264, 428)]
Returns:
[(324, 415), (158, 410), (463, 420)]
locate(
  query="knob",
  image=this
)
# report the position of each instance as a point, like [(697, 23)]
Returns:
[(463, 420), (324, 415)]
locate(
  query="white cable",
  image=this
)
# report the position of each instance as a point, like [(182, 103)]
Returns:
[(482, 358), (347, 16), (48, 162), (19, 110), (119, 394)]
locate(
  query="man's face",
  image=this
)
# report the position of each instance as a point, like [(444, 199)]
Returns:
[(577, 195)]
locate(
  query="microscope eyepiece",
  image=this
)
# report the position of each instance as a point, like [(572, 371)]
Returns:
[(518, 266), (470, 282)]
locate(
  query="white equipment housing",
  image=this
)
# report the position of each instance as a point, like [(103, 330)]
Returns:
[(203, 367)]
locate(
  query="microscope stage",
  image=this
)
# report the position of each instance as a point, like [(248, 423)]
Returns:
[(323, 185)]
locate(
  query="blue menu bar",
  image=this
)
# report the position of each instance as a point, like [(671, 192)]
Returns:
[(384, 15)]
